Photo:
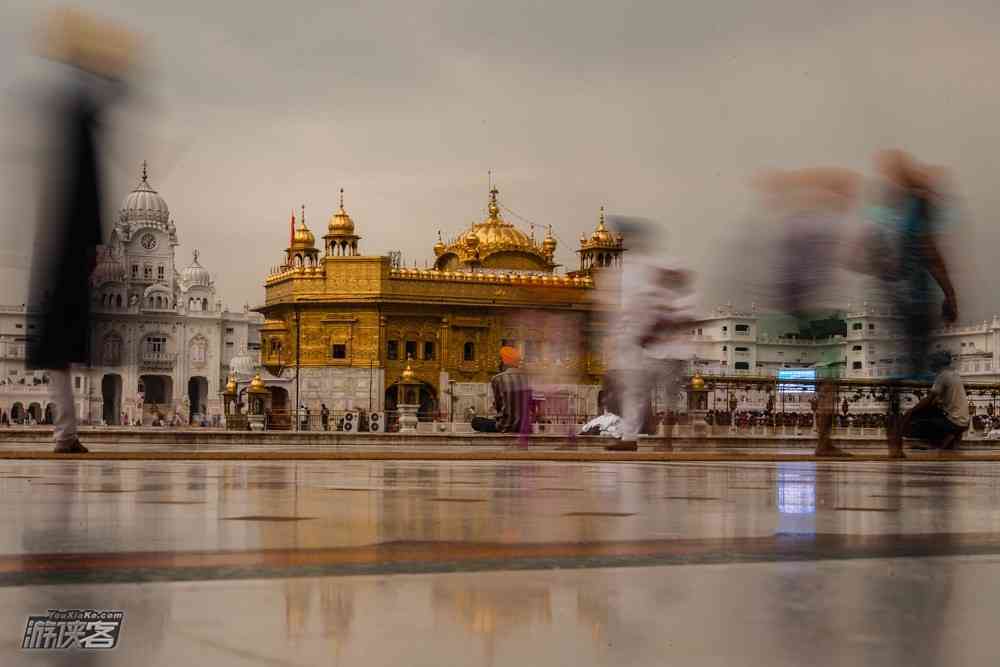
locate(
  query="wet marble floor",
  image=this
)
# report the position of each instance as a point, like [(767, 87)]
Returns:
[(478, 563)]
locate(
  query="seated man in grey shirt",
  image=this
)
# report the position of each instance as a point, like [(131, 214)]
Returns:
[(942, 416)]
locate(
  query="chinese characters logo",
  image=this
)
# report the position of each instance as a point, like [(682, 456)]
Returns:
[(86, 629)]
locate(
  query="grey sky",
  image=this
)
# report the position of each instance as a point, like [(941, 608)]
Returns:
[(659, 109)]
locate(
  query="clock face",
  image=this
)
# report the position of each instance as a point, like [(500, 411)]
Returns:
[(148, 241)]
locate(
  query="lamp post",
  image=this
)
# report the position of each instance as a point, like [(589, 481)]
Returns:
[(298, 360)]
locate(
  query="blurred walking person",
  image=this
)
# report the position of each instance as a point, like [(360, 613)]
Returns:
[(92, 57), (909, 259), (647, 332), (811, 206)]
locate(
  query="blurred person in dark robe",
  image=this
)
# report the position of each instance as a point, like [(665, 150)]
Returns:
[(92, 57)]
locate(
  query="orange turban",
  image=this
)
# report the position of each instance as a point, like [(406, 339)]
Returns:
[(510, 356)]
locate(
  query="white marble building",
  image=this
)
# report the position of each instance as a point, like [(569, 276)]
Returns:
[(731, 342), (162, 341)]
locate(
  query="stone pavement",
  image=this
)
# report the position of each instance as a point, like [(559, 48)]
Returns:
[(382, 562)]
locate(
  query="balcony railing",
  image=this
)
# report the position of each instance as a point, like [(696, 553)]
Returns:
[(159, 359)]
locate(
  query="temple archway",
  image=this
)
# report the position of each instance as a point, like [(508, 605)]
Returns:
[(197, 397), (157, 393), (111, 393)]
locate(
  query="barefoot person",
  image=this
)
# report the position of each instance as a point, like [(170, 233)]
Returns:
[(92, 57)]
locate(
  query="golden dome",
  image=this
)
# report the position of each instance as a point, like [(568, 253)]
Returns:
[(698, 382), (439, 247), (341, 223), (302, 238), (231, 385), (601, 237), (513, 249), (601, 234), (257, 385)]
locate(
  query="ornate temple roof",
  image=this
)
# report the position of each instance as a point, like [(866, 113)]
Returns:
[(496, 244)]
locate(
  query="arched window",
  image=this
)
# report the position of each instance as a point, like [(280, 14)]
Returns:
[(469, 351), (118, 300), (204, 304), (112, 350), (199, 350)]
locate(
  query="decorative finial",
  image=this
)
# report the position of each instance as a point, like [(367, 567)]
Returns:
[(303, 215), (494, 209), (195, 253), (341, 200), (144, 175), (601, 223)]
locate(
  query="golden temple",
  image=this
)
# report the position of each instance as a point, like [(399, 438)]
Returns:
[(352, 323)]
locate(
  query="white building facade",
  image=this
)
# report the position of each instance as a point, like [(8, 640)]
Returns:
[(161, 342)]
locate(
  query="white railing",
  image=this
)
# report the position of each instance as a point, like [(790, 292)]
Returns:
[(159, 359)]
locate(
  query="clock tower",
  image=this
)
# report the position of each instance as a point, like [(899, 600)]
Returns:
[(146, 237)]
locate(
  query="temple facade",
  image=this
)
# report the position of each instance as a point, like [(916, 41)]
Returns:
[(350, 323)]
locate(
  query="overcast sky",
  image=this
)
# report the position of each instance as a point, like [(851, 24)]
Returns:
[(663, 109)]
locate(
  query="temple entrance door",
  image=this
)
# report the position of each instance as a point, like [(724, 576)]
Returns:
[(281, 419), (158, 396), (35, 410), (16, 413), (198, 398), (111, 393)]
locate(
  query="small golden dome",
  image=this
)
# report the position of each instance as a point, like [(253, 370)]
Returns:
[(439, 247), (600, 236), (231, 385), (341, 223), (698, 382), (302, 238), (471, 240), (257, 385)]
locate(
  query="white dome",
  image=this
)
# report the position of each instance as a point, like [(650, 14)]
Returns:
[(144, 204), (110, 269), (195, 275), (243, 365)]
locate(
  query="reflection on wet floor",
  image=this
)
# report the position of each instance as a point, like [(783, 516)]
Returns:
[(870, 563)]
